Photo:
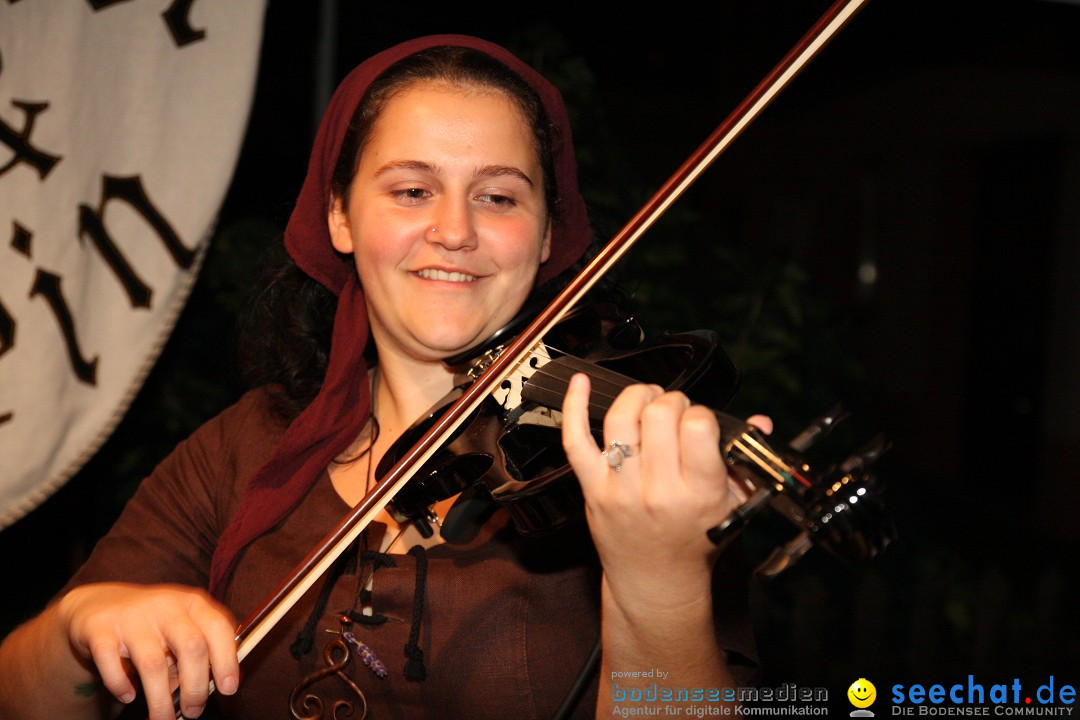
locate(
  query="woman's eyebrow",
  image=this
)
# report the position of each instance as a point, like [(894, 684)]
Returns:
[(499, 170), (426, 167), (418, 165)]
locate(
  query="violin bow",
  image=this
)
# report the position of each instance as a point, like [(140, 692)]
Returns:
[(318, 561)]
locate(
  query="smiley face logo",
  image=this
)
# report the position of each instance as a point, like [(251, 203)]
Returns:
[(862, 693)]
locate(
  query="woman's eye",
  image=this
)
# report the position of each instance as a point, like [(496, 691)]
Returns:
[(497, 201), (411, 194)]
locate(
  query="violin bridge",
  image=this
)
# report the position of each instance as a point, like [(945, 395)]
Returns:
[(508, 394)]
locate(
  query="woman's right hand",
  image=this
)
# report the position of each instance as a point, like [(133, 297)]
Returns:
[(163, 634)]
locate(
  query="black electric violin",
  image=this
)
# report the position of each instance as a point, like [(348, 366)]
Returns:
[(510, 449)]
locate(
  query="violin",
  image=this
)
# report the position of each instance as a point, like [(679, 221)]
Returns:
[(511, 448)]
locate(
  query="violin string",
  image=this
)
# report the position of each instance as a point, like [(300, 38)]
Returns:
[(603, 387), (758, 460), (606, 384), (771, 457)]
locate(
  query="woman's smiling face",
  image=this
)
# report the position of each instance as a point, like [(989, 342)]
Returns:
[(446, 219)]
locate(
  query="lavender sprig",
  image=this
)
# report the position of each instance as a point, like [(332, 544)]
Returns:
[(366, 654)]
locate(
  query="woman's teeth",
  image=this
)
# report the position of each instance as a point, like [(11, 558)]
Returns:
[(433, 274)]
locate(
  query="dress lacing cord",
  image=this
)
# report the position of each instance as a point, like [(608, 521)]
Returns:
[(362, 598), (414, 666), (305, 638)]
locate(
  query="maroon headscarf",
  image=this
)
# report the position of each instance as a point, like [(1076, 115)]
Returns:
[(338, 414)]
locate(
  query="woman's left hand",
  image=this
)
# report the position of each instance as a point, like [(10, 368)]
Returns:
[(649, 517)]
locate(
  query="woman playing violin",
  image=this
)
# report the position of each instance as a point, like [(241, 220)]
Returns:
[(441, 192)]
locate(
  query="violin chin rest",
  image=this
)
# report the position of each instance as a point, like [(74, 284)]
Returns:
[(464, 518)]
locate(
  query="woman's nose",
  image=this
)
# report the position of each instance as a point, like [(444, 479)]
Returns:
[(452, 226)]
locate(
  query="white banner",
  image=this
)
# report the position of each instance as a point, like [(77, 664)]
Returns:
[(120, 125)]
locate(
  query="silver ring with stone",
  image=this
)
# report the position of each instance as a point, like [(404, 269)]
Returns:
[(616, 453)]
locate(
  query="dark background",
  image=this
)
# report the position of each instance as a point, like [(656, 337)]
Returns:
[(898, 231)]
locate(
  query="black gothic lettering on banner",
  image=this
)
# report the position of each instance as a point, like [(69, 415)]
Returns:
[(7, 330), (91, 223), (21, 239), (48, 285), (175, 17), (19, 141)]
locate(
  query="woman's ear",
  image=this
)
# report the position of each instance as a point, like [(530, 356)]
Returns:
[(337, 221)]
